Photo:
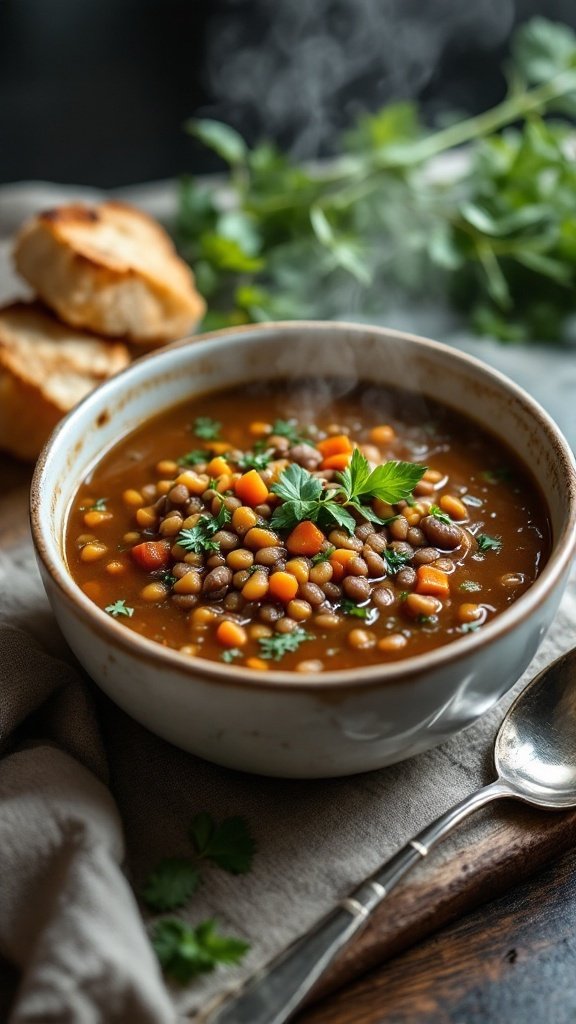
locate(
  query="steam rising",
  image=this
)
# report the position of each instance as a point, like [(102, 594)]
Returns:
[(300, 70)]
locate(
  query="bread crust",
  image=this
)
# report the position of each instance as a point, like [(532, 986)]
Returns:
[(46, 368), (111, 269)]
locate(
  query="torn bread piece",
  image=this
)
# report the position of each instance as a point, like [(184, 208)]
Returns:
[(45, 369), (111, 269)]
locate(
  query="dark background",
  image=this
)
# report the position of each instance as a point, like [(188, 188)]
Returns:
[(96, 91)]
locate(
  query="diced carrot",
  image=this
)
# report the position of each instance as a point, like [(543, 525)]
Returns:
[(151, 554), (338, 461), (335, 445), (257, 663), (382, 434), (338, 560), (251, 488), (283, 586), (219, 447), (259, 429), (432, 581), (305, 539), (217, 466), (231, 634)]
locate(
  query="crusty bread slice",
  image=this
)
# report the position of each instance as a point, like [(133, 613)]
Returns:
[(111, 269), (45, 369)]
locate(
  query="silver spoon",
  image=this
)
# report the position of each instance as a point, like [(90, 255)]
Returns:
[(535, 759)]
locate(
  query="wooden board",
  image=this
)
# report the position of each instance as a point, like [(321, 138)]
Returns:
[(517, 843)]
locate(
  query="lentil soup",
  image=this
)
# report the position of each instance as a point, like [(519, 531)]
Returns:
[(308, 526)]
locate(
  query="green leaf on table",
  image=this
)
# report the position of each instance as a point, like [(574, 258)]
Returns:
[(542, 49), (185, 952), (171, 884), (228, 844)]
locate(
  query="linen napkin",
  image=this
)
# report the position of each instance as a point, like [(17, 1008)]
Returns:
[(90, 801)]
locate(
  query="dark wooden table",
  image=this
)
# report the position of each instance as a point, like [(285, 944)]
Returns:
[(512, 961)]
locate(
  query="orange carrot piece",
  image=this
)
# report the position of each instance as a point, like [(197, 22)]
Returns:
[(260, 429), (338, 461), (335, 445), (218, 466), (251, 488), (230, 634), (338, 560), (305, 539), (432, 581), (258, 664), (283, 586)]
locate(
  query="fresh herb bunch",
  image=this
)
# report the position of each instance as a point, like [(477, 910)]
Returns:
[(303, 496), (501, 234), (199, 538)]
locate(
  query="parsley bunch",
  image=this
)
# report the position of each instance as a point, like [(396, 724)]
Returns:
[(500, 236), (303, 496)]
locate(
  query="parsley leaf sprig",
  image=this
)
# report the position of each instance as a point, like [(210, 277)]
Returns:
[(119, 608), (487, 543), (185, 952), (229, 845), (199, 538), (439, 514), (303, 496), (256, 459), (273, 648), (206, 428)]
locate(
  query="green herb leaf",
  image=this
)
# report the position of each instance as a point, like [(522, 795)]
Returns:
[(255, 459), (119, 608), (437, 512), (230, 654), (221, 138), (273, 648), (470, 585), (487, 543), (351, 608), (323, 556), (206, 428), (469, 627), (229, 844), (195, 456), (287, 429), (392, 482), (198, 538), (395, 560), (99, 505), (171, 884), (185, 952)]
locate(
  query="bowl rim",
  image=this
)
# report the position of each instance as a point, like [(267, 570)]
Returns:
[(338, 680)]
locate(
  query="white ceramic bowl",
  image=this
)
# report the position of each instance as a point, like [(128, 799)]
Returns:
[(281, 723)]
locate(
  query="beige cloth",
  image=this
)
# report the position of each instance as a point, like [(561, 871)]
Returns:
[(77, 774)]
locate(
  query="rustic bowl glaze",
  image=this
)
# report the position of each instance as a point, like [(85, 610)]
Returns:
[(281, 723)]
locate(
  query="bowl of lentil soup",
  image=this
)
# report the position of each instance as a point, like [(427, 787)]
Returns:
[(275, 558)]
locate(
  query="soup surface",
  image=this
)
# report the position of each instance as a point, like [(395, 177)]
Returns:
[(307, 526)]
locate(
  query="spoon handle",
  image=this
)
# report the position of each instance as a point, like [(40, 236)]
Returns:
[(274, 993)]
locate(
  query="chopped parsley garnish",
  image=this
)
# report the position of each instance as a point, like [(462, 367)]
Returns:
[(496, 476), (438, 513), (487, 543), (99, 505), (395, 560), (351, 608), (198, 538), (206, 428), (230, 654), (256, 459), (289, 430), (323, 556), (119, 608), (184, 952), (470, 585), (273, 648), (303, 496), (195, 456)]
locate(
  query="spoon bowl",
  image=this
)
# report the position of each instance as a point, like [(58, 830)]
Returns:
[(535, 750)]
